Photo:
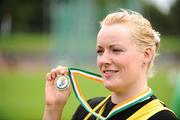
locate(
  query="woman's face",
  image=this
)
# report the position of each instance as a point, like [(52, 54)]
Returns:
[(118, 57)]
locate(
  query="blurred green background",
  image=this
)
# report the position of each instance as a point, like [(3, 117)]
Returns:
[(38, 35)]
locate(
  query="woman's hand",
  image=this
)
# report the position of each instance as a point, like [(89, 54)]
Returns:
[(55, 99)]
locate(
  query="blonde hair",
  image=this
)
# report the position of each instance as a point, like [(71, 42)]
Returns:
[(142, 32)]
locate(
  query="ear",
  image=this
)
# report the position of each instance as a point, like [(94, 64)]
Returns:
[(148, 55)]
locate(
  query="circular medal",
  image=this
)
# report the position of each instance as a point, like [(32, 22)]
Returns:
[(62, 82)]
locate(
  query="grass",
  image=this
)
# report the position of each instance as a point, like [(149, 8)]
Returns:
[(22, 94), (170, 44), (162, 88), (25, 43)]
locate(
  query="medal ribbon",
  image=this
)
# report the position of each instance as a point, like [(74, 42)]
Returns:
[(96, 77)]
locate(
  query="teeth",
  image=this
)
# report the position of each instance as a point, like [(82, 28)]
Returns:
[(111, 71)]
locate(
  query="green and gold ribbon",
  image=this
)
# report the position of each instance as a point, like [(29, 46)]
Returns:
[(73, 72)]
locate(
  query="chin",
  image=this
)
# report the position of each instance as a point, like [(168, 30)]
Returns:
[(114, 88), (109, 87)]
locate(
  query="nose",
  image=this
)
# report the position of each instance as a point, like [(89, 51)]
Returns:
[(105, 59)]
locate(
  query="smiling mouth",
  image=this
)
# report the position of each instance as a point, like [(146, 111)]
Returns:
[(109, 73)]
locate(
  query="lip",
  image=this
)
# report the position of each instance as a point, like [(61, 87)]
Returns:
[(109, 73)]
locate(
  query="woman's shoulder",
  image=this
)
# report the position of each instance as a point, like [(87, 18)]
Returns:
[(164, 115)]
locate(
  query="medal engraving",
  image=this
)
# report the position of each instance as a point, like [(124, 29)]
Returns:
[(62, 82)]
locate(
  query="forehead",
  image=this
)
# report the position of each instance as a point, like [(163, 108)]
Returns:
[(114, 34)]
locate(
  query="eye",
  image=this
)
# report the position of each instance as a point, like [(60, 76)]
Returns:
[(115, 50), (100, 52)]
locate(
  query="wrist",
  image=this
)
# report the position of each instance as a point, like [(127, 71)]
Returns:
[(54, 107)]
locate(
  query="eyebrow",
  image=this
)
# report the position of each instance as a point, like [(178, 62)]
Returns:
[(115, 45), (110, 46)]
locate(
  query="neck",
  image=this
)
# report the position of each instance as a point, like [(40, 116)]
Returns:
[(118, 97)]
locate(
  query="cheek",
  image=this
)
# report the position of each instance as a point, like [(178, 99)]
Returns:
[(98, 61), (128, 63), (133, 64), (121, 61)]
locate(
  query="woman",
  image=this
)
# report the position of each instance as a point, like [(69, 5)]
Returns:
[(126, 48)]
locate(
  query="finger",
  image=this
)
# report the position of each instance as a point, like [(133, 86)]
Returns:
[(53, 74), (66, 70), (48, 77), (49, 81), (62, 70)]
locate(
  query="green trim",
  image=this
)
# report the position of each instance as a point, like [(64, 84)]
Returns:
[(91, 73), (128, 106)]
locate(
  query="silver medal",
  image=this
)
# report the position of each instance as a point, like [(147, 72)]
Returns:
[(62, 82)]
